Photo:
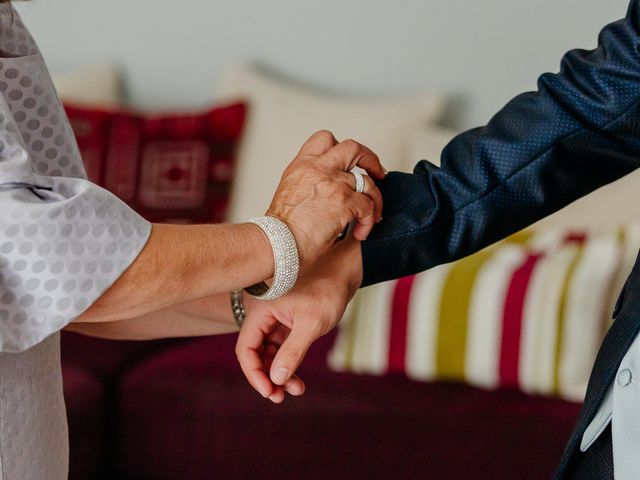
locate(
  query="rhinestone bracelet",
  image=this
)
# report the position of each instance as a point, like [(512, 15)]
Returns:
[(285, 256)]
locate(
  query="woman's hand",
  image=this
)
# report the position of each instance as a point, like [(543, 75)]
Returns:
[(276, 335), (184, 263), (316, 196)]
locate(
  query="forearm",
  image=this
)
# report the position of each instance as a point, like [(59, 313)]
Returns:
[(542, 151), (184, 263), (201, 317)]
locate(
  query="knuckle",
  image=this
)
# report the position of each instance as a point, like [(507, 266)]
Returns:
[(325, 186), (370, 207), (366, 219), (344, 194), (351, 144), (364, 202), (323, 135), (291, 168)]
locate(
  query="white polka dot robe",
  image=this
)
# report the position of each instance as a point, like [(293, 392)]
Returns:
[(63, 239), (63, 242)]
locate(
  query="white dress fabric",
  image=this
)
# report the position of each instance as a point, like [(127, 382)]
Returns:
[(63, 242)]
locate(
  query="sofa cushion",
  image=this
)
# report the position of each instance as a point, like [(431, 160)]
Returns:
[(170, 168), (188, 413), (86, 399), (106, 359), (527, 313), (283, 115), (96, 85)]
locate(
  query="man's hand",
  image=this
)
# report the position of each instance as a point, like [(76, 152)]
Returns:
[(316, 196), (276, 335)]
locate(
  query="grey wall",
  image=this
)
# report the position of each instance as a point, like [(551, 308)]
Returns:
[(480, 51)]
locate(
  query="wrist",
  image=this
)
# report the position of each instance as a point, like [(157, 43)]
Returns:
[(342, 273), (250, 303), (260, 249), (352, 258)]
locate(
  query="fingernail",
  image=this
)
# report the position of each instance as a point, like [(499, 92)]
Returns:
[(280, 375)]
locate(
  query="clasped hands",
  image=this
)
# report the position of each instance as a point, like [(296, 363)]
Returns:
[(276, 335)]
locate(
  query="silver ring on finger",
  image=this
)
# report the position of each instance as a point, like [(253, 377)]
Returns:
[(359, 180)]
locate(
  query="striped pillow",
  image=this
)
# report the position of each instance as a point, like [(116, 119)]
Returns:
[(527, 313)]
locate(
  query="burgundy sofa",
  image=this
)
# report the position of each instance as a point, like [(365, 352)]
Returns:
[(181, 410)]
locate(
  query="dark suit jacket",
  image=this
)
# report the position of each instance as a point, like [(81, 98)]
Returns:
[(544, 149)]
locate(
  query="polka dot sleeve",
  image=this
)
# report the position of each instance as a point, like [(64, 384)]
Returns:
[(60, 249), (63, 242)]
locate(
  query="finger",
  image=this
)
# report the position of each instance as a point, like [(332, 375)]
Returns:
[(371, 190), (318, 143), (278, 395), (291, 353), (248, 347), (361, 232), (294, 386), (348, 154), (364, 212)]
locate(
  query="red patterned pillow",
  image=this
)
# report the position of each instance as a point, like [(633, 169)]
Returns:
[(169, 168)]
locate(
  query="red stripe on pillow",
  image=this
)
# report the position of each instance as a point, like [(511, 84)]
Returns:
[(399, 322), (512, 322), (575, 237)]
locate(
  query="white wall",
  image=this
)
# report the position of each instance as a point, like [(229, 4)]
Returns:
[(481, 51)]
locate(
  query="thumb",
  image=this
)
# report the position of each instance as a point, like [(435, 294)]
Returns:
[(291, 353)]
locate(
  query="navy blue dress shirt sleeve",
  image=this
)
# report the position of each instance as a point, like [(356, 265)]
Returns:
[(580, 130)]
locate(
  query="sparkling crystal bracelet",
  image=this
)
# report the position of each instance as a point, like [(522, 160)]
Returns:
[(285, 256)]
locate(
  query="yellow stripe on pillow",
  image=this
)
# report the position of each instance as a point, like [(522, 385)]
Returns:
[(454, 311)]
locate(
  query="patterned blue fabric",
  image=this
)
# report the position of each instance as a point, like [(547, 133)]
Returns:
[(580, 130), (544, 149)]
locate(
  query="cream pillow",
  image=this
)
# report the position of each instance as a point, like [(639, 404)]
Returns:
[(283, 116), (427, 144), (97, 85)]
